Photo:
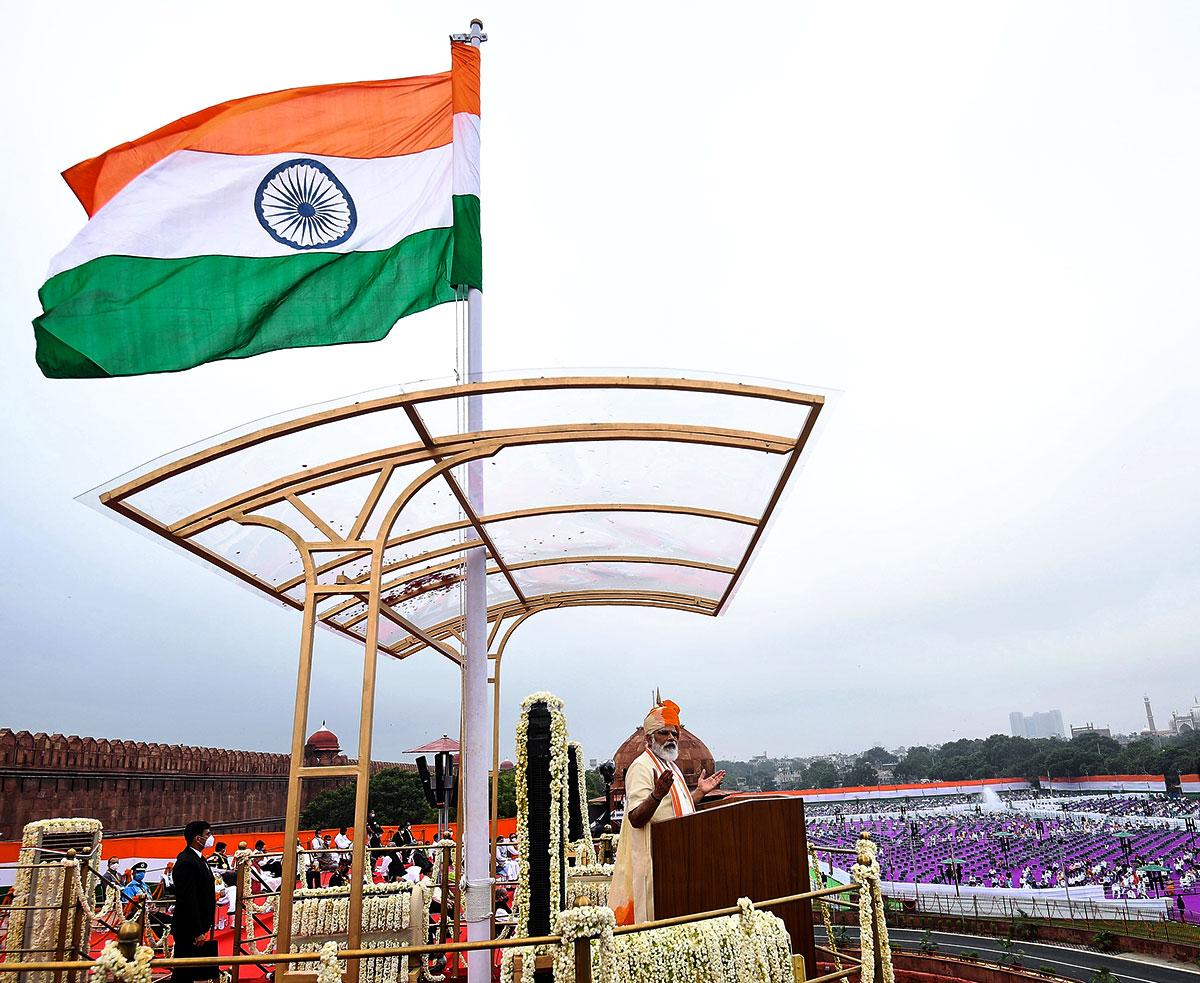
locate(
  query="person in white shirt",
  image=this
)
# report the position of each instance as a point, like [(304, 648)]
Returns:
[(343, 842), (506, 861), (313, 873)]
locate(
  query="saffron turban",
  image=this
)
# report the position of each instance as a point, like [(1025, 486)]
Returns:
[(665, 714)]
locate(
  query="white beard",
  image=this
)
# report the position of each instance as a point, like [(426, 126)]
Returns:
[(663, 752)]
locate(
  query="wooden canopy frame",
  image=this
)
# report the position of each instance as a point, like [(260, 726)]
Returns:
[(347, 583)]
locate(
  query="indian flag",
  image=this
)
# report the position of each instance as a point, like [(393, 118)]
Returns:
[(311, 216)]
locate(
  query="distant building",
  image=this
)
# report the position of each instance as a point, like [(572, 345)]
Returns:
[(1090, 728), (1048, 723), (1184, 723), (1151, 729)]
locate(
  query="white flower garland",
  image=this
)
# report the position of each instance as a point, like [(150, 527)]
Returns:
[(386, 913), (437, 851), (111, 965), (829, 934), (558, 801), (111, 897), (585, 849), (588, 922), (330, 968), (45, 921), (749, 947), (326, 910), (870, 915), (591, 881)]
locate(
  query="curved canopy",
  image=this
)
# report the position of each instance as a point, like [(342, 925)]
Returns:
[(598, 490)]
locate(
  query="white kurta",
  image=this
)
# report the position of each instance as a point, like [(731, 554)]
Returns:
[(631, 895)]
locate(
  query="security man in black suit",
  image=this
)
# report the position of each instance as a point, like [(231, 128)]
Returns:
[(195, 904)]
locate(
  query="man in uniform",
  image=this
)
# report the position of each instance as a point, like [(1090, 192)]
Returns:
[(655, 789)]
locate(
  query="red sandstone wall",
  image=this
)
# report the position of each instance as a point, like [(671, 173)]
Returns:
[(135, 785)]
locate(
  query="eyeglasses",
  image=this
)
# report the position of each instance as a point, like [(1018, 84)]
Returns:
[(666, 732)]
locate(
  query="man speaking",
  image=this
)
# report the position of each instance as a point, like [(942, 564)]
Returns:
[(655, 789)]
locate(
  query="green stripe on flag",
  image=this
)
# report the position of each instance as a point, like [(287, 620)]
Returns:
[(123, 315), (467, 268)]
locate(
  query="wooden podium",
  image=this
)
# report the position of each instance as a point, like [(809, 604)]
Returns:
[(751, 848)]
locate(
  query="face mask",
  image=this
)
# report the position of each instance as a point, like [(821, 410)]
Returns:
[(209, 842)]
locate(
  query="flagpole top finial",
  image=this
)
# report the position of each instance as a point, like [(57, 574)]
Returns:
[(474, 36)]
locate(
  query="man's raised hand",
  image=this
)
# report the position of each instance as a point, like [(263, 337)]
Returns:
[(706, 782), (663, 785)]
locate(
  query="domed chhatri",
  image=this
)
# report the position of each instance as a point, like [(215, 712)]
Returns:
[(322, 746), (693, 755)]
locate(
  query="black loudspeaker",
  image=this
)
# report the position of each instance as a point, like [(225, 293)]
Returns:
[(447, 779), (426, 784), (576, 809), (452, 787)]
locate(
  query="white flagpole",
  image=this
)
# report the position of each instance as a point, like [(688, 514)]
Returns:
[(476, 841)]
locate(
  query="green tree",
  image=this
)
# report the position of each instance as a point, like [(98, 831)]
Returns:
[(506, 789), (822, 774), (395, 795), (861, 773), (917, 763), (878, 755), (595, 783)]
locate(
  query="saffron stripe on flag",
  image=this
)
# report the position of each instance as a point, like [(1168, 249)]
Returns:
[(383, 118)]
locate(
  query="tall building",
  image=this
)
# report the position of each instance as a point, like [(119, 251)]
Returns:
[(1048, 723)]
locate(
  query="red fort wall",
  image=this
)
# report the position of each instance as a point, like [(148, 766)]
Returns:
[(130, 785)]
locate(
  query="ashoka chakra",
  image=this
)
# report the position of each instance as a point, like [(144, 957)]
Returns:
[(302, 204)]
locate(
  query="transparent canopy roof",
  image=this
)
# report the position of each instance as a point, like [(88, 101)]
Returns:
[(632, 490)]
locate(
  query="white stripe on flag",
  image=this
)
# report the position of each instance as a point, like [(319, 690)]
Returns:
[(194, 203), (466, 154)]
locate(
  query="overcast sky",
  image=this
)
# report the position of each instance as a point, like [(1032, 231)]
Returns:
[(981, 223)]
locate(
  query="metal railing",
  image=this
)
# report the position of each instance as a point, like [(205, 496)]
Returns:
[(130, 935)]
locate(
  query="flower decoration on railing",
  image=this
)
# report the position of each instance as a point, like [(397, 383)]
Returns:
[(591, 922), (583, 847), (555, 846), (590, 882), (750, 947), (112, 965), (871, 921), (39, 883)]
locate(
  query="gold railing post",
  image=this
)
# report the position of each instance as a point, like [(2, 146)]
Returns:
[(583, 960), (583, 950), (129, 936), (239, 909), (80, 940), (68, 892)]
